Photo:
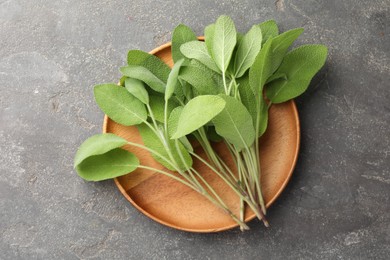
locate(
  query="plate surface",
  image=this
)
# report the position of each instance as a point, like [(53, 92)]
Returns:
[(175, 205)]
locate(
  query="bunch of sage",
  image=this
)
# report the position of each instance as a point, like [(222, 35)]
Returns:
[(219, 89)]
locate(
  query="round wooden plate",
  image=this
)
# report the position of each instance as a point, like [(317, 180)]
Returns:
[(175, 205)]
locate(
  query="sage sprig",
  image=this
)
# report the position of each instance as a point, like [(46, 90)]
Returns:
[(219, 89)]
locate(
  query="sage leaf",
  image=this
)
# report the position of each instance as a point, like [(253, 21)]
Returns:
[(119, 105), (181, 35), (268, 29), (235, 124), (145, 75), (224, 41), (300, 65), (198, 50), (172, 126), (249, 100), (263, 117), (137, 89), (173, 80), (97, 144), (173, 120), (198, 78), (261, 68), (247, 50), (150, 62), (111, 164), (153, 142), (157, 106), (247, 97), (270, 57), (198, 112), (280, 45), (209, 38)]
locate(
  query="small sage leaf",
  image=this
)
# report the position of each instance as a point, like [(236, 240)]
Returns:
[(137, 89), (300, 65), (247, 50), (119, 104), (224, 41), (172, 80), (209, 38), (181, 35), (145, 75), (198, 112), (109, 165), (98, 144)]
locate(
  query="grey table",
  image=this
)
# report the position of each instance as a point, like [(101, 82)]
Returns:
[(53, 52)]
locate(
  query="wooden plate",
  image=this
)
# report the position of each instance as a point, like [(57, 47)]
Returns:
[(175, 205)]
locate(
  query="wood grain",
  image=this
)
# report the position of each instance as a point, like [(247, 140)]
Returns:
[(175, 205)]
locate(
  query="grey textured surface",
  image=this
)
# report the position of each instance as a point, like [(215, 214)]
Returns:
[(52, 53)]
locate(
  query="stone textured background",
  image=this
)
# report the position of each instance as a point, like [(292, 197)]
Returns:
[(52, 53)]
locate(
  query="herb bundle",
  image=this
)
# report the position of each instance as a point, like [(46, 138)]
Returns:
[(219, 90)]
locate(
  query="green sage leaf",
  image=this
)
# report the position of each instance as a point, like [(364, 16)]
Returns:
[(198, 50), (181, 35), (300, 65), (198, 112), (198, 78), (150, 62), (157, 106), (209, 38), (145, 75), (98, 144), (247, 50), (119, 105), (270, 57), (153, 142), (224, 41), (172, 80), (269, 29), (137, 89), (111, 164), (235, 124)]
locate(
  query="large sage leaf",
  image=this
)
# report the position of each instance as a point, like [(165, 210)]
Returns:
[(198, 50), (268, 29), (198, 112), (137, 89), (153, 142), (224, 41), (173, 80), (97, 144), (149, 61), (181, 35), (145, 75), (299, 66), (235, 124), (119, 105), (111, 164), (247, 50)]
